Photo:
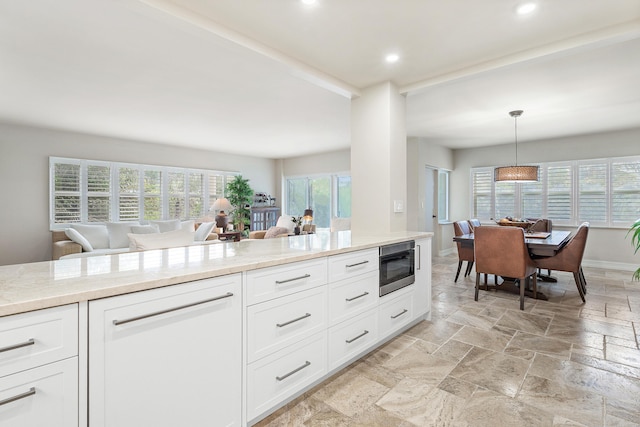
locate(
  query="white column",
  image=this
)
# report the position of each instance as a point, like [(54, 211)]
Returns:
[(378, 160)]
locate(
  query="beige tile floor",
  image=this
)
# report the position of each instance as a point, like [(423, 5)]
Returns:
[(557, 363)]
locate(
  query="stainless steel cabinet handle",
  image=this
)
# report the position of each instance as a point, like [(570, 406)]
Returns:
[(419, 257), (399, 314), (169, 310), (356, 264), (307, 363), (27, 343), (356, 297), (280, 325), (31, 392), (358, 337), (280, 282)]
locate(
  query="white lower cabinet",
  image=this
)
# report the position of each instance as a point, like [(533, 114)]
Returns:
[(422, 292), (274, 378), (395, 311), (351, 337), (42, 396), (167, 357)]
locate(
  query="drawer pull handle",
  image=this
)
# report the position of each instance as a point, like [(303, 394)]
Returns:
[(157, 313), (31, 341), (358, 337), (285, 376), (280, 282), (355, 298), (280, 325), (31, 392), (399, 314), (356, 264)]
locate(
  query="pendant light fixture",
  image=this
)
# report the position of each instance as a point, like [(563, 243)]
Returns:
[(516, 173)]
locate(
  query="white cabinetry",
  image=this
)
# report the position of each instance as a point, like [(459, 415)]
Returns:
[(39, 368), (422, 291), (168, 356)]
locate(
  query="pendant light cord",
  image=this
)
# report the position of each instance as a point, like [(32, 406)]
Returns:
[(516, 127)]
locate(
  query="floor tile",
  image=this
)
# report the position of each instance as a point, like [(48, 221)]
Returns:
[(526, 322), (540, 344), (489, 339)]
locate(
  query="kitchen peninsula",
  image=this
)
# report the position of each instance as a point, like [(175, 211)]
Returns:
[(204, 335)]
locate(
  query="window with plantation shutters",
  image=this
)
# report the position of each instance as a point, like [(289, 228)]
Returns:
[(100, 192), (559, 184), (592, 193), (605, 192)]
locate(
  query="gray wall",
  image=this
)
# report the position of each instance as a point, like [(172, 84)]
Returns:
[(606, 247), (24, 172)]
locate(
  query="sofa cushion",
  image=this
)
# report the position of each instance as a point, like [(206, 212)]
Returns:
[(118, 234), (75, 236), (203, 231), (170, 239), (144, 229), (97, 235), (285, 221), (275, 232), (167, 225)]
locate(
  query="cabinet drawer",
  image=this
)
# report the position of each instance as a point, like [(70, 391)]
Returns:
[(276, 377), (350, 297), (274, 324), (351, 264), (273, 282), (32, 339), (42, 396), (352, 337), (397, 312)]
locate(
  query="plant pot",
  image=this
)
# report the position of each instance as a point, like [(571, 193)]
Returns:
[(296, 230)]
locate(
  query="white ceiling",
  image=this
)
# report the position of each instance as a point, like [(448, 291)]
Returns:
[(274, 78)]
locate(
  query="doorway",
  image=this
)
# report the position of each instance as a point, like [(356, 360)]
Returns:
[(430, 205)]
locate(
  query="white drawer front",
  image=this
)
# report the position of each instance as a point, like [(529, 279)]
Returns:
[(42, 396), (274, 324), (350, 297), (351, 264), (276, 377), (32, 339), (348, 339), (397, 312), (273, 282)]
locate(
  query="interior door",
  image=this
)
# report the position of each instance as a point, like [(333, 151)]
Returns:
[(430, 204)]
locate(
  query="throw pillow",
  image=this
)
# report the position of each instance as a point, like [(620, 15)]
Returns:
[(97, 235), (168, 225), (203, 231), (79, 239), (118, 234), (170, 239), (275, 232), (145, 229), (285, 221), (189, 225)]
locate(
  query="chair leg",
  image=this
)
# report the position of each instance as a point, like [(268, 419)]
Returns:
[(535, 285), (584, 281), (458, 272), (469, 267), (522, 286), (578, 280), (477, 285)]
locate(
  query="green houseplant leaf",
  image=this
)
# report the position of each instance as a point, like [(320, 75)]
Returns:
[(240, 195), (635, 241)]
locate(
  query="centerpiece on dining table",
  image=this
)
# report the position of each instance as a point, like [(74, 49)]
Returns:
[(515, 222)]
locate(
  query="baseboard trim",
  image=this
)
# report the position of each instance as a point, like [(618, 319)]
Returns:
[(622, 266)]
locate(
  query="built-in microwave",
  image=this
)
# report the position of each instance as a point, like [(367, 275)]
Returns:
[(397, 266)]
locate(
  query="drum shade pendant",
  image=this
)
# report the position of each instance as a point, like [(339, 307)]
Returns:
[(516, 173)]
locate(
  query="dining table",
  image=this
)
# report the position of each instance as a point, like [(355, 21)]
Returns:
[(539, 244)]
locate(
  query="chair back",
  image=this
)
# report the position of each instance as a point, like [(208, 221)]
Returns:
[(540, 225), (502, 251), (465, 253), (569, 258), (461, 227), (474, 222)]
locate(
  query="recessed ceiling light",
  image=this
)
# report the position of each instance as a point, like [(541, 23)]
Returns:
[(392, 57), (308, 1), (525, 8)]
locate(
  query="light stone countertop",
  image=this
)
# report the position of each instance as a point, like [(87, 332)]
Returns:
[(33, 286)]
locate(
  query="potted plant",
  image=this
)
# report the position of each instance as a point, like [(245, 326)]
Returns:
[(297, 220), (635, 241), (240, 195)]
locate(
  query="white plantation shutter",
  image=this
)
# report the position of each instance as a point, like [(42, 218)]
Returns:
[(482, 193), (98, 193), (177, 197), (66, 192), (152, 199), (505, 199), (560, 193), (129, 194), (216, 188), (625, 189), (196, 193), (532, 197), (593, 203)]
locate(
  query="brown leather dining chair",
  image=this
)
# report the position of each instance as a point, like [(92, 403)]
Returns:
[(502, 251), (465, 253), (569, 259), (474, 223)]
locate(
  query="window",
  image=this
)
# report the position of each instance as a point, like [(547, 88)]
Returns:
[(443, 195), (94, 191), (328, 195), (605, 192)]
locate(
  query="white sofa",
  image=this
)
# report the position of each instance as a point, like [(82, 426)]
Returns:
[(82, 240)]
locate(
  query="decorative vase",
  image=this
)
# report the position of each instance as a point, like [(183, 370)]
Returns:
[(296, 230)]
